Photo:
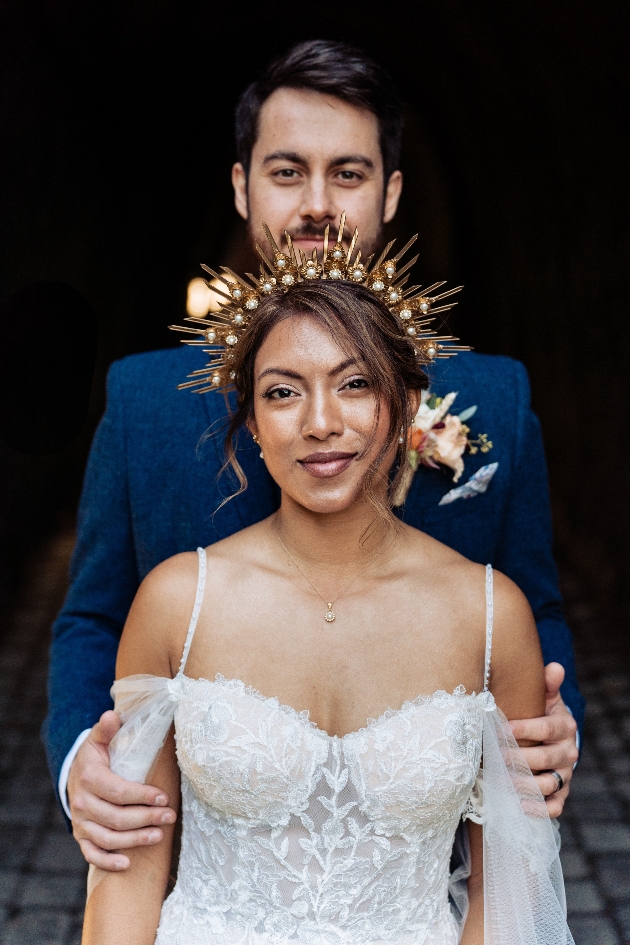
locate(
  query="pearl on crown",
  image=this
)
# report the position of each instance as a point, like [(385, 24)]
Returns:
[(243, 299)]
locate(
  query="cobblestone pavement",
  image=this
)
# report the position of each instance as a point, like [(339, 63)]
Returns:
[(42, 875)]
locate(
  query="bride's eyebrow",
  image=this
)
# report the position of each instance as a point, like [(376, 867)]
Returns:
[(285, 372), (343, 366)]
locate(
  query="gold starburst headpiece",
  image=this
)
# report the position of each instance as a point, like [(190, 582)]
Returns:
[(220, 332)]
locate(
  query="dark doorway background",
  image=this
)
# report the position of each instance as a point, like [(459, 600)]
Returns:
[(115, 150)]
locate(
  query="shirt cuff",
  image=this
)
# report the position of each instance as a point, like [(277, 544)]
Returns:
[(65, 772), (577, 734)]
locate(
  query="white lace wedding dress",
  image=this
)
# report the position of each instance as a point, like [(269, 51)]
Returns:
[(294, 837)]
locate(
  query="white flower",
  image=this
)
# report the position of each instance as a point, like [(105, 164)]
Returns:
[(427, 417), (450, 443)]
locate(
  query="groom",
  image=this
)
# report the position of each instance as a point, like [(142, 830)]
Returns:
[(318, 134)]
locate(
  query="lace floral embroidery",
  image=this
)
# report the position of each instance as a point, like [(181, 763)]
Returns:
[(290, 834)]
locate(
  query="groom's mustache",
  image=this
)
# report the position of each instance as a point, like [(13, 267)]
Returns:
[(314, 231)]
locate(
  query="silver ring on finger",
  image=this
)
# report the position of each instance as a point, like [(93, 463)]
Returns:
[(559, 779)]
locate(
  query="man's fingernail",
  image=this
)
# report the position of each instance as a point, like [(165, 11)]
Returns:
[(154, 836), (122, 864), (167, 818), (160, 800)]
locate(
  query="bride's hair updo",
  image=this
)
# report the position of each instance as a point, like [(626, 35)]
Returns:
[(359, 323)]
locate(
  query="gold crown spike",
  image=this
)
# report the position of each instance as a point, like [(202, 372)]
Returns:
[(325, 249), (219, 333), (383, 255)]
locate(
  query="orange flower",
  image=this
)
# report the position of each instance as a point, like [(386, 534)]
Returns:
[(416, 439)]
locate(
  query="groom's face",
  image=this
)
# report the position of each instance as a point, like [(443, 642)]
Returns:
[(315, 157)]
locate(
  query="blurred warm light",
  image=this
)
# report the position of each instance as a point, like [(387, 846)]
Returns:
[(201, 299)]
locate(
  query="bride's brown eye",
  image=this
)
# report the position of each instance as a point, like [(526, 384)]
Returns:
[(278, 393), (357, 383)]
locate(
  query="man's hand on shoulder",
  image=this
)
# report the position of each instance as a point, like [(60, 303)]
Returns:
[(557, 751), (110, 814)]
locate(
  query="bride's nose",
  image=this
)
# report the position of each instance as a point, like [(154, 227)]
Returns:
[(322, 416)]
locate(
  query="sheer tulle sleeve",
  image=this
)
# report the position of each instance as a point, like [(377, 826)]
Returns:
[(524, 901), (146, 705)]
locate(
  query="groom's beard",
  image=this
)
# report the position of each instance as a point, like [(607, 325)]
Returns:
[(315, 232)]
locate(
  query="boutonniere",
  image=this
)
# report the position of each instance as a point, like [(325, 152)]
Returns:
[(440, 438)]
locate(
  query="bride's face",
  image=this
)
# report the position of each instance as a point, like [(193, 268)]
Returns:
[(314, 415)]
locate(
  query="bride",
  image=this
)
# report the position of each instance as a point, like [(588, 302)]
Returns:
[(340, 680)]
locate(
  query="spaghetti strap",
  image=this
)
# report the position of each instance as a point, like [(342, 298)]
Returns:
[(489, 619), (201, 585)]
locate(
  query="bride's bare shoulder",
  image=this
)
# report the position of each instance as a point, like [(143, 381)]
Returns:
[(517, 666), (171, 586), (171, 580), (442, 561), (155, 628), (251, 549), (464, 580)]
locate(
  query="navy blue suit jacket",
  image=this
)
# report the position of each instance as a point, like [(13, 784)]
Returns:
[(150, 493)]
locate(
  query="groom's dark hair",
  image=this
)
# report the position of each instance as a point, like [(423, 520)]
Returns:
[(330, 68)]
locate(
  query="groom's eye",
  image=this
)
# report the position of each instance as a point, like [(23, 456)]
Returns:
[(357, 383), (286, 173)]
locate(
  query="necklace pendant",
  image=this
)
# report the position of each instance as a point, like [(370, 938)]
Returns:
[(329, 616)]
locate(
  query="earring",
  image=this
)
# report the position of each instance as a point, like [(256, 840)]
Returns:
[(401, 438), (257, 441)]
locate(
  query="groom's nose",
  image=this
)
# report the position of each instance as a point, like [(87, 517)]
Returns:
[(317, 203)]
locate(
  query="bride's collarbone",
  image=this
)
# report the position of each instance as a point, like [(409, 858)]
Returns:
[(395, 625), (392, 640), (370, 604), (342, 673)]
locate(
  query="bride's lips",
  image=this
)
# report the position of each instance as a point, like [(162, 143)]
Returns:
[(326, 463)]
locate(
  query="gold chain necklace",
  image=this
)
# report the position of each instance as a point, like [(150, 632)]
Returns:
[(330, 615)]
